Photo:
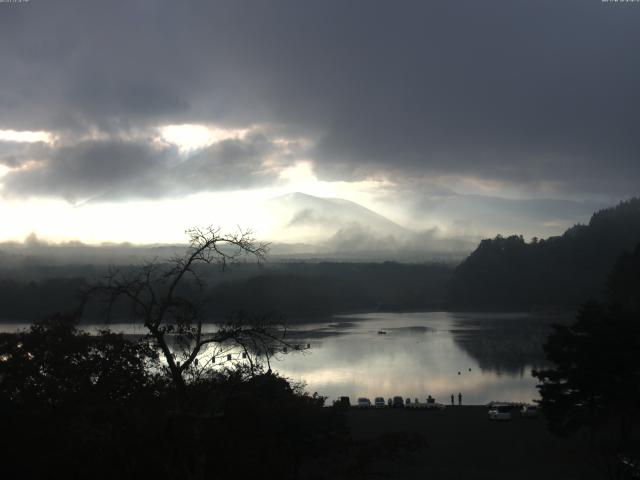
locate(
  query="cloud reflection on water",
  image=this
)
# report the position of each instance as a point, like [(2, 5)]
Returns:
[(421, 355)]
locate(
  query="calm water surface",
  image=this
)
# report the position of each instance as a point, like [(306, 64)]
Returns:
[(484, 356)]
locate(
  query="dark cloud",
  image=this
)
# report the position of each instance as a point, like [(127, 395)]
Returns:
[(87, 169), (230, 164), (521, 92), (17, 154), (110, 170)]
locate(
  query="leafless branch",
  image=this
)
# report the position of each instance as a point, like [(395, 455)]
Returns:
[(152, 292)]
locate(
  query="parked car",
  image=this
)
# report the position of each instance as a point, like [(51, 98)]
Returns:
[(343, 402), (500, 412), (529, 411), (364, 402), (379, 402), (398, 402)]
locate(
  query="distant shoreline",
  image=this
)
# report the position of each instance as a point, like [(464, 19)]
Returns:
[(314, 319)]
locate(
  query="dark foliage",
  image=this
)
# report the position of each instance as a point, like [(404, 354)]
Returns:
[(55, 365), (596, 375), (292, 289), (71, 402), (305, 290), (53, 294), (282, 432), (80, 406), (624, 281), (508, 272)]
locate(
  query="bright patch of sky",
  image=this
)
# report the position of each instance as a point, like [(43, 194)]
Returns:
[(189, 137), (25, 136), (165, 220)]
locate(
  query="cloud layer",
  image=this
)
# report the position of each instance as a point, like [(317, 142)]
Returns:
[(541, 96)]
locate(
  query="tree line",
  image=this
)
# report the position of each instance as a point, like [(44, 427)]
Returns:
[(293, 290), (564, 271)]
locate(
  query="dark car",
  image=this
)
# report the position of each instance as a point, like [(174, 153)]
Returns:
[(343, 402), (398, 402)]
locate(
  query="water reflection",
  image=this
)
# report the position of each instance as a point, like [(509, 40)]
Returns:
[(509, 344), (484, 356)]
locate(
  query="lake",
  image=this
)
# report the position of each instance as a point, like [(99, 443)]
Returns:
[(484, 356)]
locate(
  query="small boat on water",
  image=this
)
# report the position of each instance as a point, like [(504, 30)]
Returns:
[(381, 332)]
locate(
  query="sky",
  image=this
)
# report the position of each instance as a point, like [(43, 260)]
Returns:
[(131, 121)]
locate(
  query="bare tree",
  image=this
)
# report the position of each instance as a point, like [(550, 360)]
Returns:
[(161, 296)]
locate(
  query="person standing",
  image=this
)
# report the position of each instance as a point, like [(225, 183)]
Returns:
[(452, 402), (459, 398)]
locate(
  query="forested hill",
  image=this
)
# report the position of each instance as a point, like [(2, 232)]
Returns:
[(295, 291), (507, 272)]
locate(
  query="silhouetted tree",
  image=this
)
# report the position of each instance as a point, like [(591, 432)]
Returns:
[(624, 282), (77, 405), (167, 298), (595, 375), (54, 363)]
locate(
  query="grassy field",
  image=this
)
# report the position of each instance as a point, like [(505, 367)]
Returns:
[(461, 443)]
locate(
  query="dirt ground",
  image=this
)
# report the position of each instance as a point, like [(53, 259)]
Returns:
[(461, 443)]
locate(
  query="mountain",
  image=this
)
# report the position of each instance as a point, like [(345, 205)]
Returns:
[(310, 217), (342, 229), (507, 272)]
